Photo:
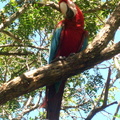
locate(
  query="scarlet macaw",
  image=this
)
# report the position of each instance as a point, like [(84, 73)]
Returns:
[(69, 37)]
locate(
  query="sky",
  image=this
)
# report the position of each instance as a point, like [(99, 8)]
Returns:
[(111, 109)]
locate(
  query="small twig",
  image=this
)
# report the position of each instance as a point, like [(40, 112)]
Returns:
[(28, 102), (16, 53), (28, 108), (32, 46), (12, 36), (67, 107), (50, 4), (99, 18)]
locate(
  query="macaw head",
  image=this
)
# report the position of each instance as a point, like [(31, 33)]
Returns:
[(68, 8)]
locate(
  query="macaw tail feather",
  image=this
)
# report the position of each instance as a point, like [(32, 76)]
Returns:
[(54, 100)]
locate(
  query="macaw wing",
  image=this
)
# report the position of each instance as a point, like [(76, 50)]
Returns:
[(55, 42), (84, 41)]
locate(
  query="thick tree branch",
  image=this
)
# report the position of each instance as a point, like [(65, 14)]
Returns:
[(107, 33), (49, 74), (108, 51)]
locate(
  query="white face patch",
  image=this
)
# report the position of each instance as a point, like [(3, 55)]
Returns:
[(63, 7)]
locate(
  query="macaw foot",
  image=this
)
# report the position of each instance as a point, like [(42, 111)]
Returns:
[(59, 58), (71, 54)]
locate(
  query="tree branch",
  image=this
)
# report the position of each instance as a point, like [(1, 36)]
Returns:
[(107, 33), (12, 36), (107, 88), (28, 108), (98, 109), (17, 53), (77, 106), (97, 9), (116, 112), (32, 46), (50, 4)]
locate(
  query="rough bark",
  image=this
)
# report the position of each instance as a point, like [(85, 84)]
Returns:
[(49, 74)]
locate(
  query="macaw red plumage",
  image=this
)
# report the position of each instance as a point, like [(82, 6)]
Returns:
[(69, 37)]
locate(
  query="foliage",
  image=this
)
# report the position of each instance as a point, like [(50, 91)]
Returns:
[(29, 49)]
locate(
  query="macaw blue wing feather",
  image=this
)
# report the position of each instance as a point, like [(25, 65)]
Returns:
[(55, 43), (85, 41)]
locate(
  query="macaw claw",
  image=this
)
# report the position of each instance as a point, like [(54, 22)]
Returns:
[(59, 58)]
